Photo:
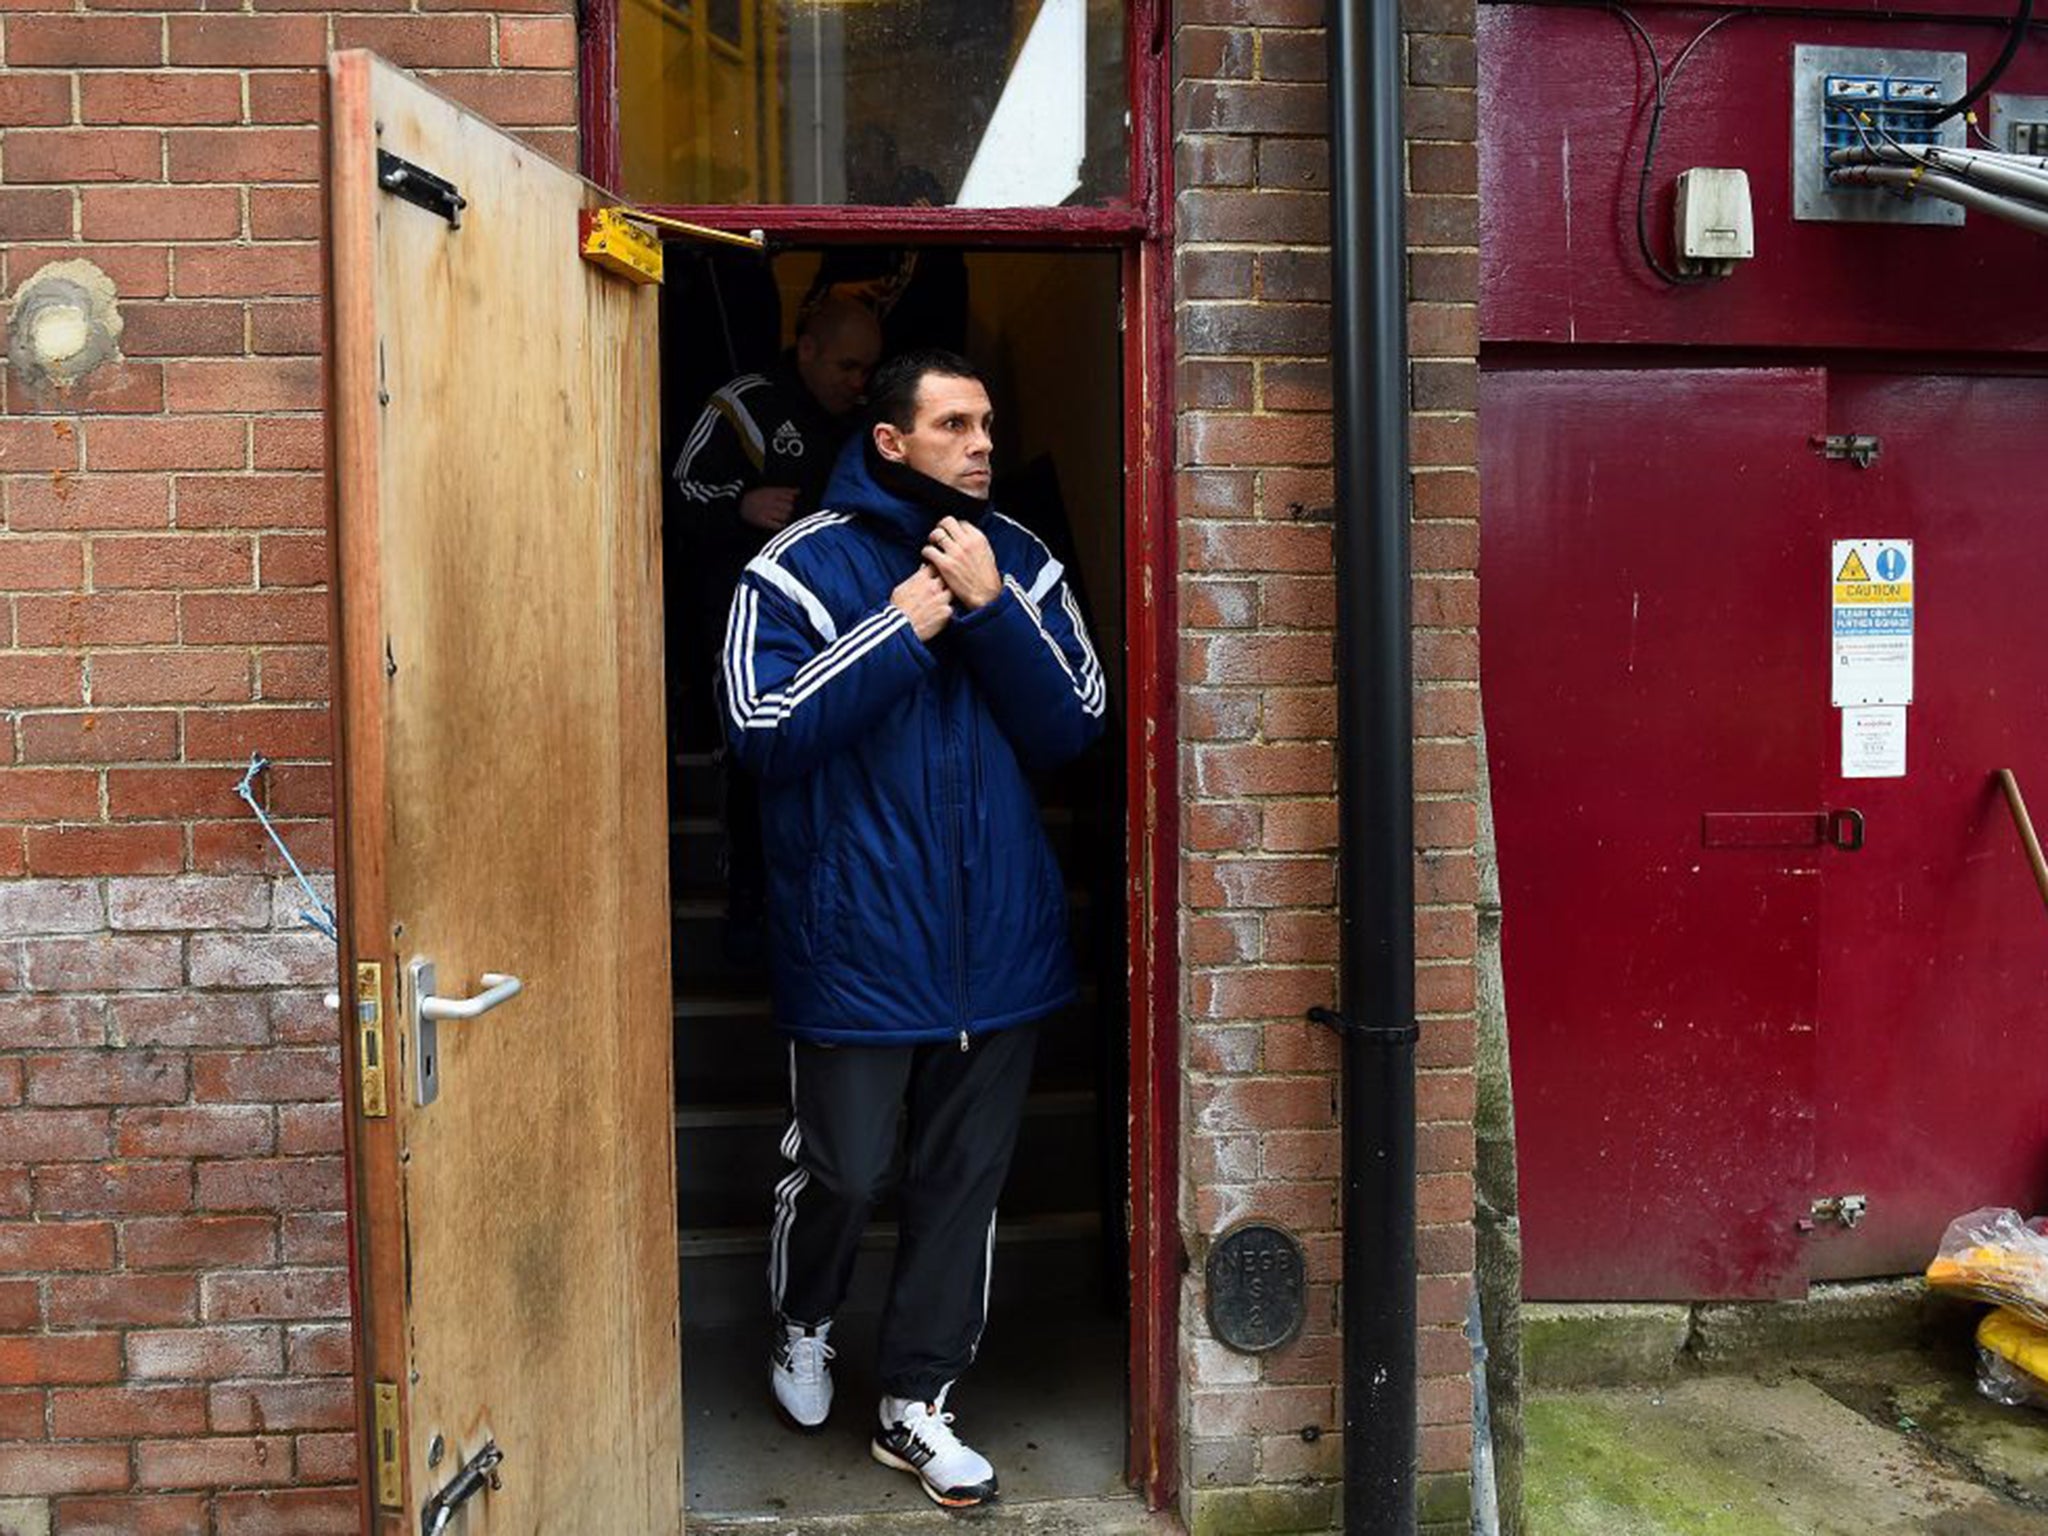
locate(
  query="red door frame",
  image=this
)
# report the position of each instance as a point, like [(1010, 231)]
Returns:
[(1142, 230)]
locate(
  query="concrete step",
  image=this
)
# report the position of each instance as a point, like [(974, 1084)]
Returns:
[(729, 1159), (1014, 1516), (695, 844), (693, 785), (1614, 1343), (1045, 1402), (1054, 1259)]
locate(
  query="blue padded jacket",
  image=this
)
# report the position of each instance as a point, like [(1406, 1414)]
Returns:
[(912, 894)]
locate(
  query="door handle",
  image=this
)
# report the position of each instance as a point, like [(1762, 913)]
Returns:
[(1845, 831), (427, 1012), (500, 988)]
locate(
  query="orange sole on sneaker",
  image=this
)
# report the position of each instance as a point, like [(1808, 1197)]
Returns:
[(970, 1500)]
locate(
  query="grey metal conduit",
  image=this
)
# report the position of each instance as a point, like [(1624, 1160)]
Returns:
[(1376, 879), (2013, 176), (1935, 184)]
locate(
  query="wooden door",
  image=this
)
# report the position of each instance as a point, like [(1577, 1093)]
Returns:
[(1933, 1096), (496, 517), (1654, 730)]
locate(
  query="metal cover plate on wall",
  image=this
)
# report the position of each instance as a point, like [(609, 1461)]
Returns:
[(1812, 197), (2010, 112), (1258, 1288)]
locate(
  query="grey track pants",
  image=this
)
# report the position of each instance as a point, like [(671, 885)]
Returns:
[(964, 1107)]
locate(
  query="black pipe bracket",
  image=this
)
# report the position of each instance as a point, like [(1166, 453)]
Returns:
[(1340, 1026)]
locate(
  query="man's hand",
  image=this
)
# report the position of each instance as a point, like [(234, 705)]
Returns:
[(769, 507), (960, 553), (924, 601)]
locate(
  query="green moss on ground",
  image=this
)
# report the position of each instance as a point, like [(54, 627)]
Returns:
[(1595, 1469)]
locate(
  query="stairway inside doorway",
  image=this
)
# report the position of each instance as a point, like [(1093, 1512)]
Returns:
[(1046, 1400)]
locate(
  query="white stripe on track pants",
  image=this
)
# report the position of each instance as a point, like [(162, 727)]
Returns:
[(963, 1111)]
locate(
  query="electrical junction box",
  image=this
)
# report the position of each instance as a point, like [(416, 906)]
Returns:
[(1845, 97), (2019, 124), (1714, 226)]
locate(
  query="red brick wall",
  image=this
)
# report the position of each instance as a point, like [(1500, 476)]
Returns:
[(1258, 766), (173, 1305)]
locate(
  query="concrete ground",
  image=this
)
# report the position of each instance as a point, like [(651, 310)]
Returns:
[(1879, 1444), (1044, 1403)]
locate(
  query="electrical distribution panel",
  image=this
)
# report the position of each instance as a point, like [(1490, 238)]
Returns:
[(1843, 98)]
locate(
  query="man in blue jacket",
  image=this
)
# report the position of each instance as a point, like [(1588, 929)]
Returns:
[(894, 667)]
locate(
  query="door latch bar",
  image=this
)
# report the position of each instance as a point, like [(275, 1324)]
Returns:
[(477, 1474), (1842, 829), (420, 187), (1847, 1211), (428, 1011), (1859, 448), (1845, 830)]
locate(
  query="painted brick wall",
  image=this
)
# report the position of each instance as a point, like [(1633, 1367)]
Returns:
[(173, 1348), (173, 1304), (1258, 712)]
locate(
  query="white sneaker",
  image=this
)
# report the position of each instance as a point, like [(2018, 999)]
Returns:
[(918, 1438), (800, 1371)]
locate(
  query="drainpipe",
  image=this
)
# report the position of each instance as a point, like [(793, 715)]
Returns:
[(1376, 838)]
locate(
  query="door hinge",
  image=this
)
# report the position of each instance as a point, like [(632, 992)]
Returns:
[(420, 187), (390, 1486), (1858, 448), (370, 1038), (477, 1474)]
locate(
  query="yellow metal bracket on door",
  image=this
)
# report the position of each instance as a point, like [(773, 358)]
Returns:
[(615, 239)]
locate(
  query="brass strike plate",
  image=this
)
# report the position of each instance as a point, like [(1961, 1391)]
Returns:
[(390, 1492), (370, 1038)]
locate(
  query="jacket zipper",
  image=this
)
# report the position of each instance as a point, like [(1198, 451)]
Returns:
[(953, 839)]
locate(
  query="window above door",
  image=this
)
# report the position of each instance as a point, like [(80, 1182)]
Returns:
[(942, 104)]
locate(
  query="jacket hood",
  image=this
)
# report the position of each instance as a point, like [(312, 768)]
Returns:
[(903, 502)]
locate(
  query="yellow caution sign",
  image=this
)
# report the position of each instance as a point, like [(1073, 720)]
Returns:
[(1873, 611)]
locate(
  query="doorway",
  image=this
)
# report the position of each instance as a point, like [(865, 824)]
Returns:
[(1047, 1400)]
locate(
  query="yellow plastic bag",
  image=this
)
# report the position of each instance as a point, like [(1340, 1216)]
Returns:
[(1992, 1255), (2012, 1359)]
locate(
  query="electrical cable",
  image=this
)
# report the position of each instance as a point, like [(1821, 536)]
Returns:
[(1957, 160), (1926, 183), (2021, 16), (2015, 176), (1661, 80), (1864, 123)]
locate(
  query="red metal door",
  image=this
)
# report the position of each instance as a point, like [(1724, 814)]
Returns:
[(1646, 535), (1932, 1094)]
